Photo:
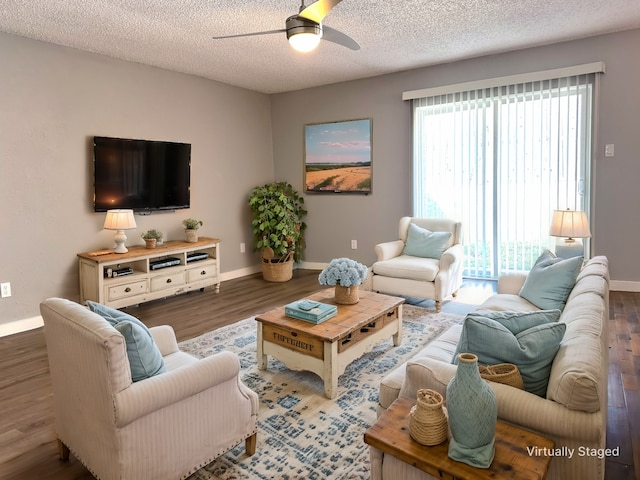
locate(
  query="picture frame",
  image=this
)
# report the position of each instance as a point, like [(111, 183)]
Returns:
[(338, 157)]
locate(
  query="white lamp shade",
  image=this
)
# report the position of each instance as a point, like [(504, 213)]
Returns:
[(569, 224), (119, 220)]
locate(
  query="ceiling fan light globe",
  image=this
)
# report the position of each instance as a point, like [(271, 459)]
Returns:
[(304, 42), (304, 35)]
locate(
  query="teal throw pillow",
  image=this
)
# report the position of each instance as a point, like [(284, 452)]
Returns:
[(516, 322), (425, 243), (531, 350), (144, 356), (145, 359), (112, 315), (551, 280)]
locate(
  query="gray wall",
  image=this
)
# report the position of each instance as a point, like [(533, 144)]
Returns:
[(53, 100), (335, 220)]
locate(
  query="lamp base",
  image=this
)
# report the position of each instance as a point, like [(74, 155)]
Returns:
[(569, 248), (120, 238)]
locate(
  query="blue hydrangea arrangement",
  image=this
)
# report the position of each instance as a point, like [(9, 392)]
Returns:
[(343, 271)]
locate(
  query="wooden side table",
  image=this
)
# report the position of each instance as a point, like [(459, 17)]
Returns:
[(390, 434)]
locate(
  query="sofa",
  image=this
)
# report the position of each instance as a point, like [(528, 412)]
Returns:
[(130, 405), (573, 412)]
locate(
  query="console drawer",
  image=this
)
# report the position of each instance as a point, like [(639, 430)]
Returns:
[(167, 281), (367, 330), (117, 292), (204, 271)]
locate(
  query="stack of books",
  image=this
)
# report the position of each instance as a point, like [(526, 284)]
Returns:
[(310, 311)]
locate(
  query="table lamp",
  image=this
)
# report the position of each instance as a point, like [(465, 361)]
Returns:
[(570, 224), (119, 220)]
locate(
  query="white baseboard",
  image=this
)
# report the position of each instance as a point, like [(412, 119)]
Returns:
[(311, 265), (624, 286), (242, 272), (19, 326)]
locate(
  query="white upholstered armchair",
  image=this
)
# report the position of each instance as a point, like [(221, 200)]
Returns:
[(163, 427), (426, 261)]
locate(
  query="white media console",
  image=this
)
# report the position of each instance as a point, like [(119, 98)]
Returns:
[(142, 274)]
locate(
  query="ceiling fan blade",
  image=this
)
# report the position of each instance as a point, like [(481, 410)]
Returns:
[(267, 32), (340, 38), (318, 10)]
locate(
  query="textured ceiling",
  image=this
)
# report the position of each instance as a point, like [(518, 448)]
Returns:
[(394, 35)]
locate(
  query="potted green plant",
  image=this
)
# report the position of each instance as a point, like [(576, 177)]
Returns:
[(278, 228), (152, 237), (191, 226)]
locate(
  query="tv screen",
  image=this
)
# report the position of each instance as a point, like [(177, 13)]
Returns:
[(142, 175)]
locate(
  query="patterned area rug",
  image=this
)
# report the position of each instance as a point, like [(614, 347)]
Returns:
[(301, 433)]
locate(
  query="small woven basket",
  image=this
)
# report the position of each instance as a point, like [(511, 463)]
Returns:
[(506, 373), (428, 423), (346, 295)]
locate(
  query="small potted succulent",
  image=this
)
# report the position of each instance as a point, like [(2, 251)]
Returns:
[(152, 237), (346, 275), (191, 226)]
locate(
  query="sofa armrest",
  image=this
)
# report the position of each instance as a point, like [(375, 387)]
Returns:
[(152, 394), (514, 406), (165, 339), (511, 282), (387, 250)]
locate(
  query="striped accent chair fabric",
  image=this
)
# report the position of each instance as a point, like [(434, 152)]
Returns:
[(163, 427)]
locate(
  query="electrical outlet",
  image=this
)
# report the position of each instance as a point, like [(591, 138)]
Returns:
[(5, 289), (354, 244), (609, 150), (243, 248)]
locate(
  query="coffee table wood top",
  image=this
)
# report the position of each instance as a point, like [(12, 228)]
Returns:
[(348, 319), (390, 434)]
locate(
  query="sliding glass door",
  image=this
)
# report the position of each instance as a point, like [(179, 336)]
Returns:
[(501, 160)]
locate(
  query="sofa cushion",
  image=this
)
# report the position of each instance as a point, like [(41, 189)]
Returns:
[(551, 280), (441, 349), (508, 302), (531, 350), (425, 243), (408, 267), (145, 359)]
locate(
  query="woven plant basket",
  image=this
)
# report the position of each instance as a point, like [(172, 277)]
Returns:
[(428, 423), (276, 270), (506, 373), (346, 295)]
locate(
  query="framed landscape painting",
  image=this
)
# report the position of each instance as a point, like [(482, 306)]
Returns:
[(337, 157)]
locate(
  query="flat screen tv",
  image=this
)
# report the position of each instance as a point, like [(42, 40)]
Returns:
[(142, 175)]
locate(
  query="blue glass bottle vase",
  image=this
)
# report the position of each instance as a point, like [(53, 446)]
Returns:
[(473, 413)]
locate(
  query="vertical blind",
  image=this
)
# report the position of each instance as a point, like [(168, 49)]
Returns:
[(501, 159)]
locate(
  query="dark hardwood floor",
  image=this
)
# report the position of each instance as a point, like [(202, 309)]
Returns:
[(27, 438)]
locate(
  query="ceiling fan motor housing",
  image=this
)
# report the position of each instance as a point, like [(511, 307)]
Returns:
[(296, 24)]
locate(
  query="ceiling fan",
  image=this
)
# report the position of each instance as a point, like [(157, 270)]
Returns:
[(305, 29)]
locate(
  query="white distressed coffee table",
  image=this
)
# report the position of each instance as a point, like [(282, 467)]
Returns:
[(327, 348)]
